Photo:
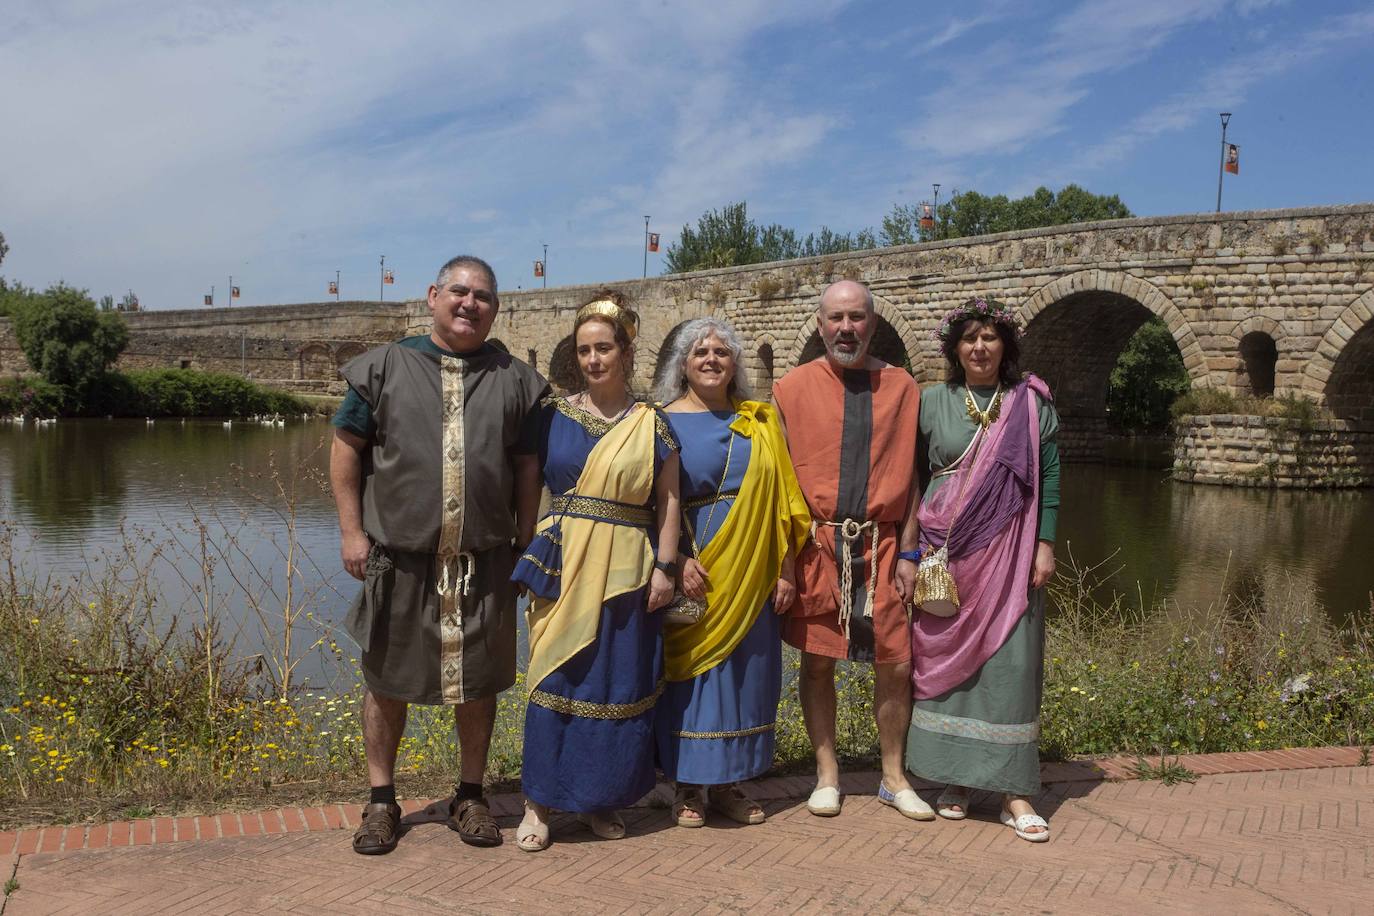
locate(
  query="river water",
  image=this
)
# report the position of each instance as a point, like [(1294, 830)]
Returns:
[(80, 498)]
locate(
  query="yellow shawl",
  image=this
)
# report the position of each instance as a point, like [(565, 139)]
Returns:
[(600, 560), (744, 558)]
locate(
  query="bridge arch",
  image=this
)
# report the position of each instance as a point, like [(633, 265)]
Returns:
[(316, 361), (347, 351), (563, 371), (1259, 344), (895, 341), (1339, 369), (1075, 329)]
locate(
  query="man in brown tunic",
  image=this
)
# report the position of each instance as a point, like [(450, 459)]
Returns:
[(851, 428), (436, 480)]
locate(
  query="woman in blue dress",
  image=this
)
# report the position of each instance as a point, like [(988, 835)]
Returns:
[(744, 520), (599, 566)]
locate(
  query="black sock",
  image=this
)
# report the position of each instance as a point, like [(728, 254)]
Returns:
[(468, 790), (383, 794)]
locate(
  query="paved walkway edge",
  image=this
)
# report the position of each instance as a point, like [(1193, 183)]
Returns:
[(148, 831)]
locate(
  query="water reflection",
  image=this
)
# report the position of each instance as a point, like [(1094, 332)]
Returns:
[(91, 495)]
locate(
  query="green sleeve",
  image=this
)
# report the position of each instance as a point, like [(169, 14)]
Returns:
[(354, 415), (1049, 472)]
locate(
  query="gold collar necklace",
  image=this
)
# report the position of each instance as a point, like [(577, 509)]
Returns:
[(983, 418)]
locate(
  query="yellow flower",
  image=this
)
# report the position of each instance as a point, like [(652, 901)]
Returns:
[(52, 753), (163, 762), (1261, 725)]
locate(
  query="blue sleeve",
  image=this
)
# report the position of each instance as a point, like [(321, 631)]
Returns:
[(354, 416)]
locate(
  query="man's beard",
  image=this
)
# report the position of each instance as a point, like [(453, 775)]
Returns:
[(842, 357)]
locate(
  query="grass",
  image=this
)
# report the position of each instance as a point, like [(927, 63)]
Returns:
[(112, 708), (1169, 772)]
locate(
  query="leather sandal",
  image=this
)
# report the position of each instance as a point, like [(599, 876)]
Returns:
[(730, 801), (607, 825), (471, 819), (533, 834), (687, 798), (379, 831)]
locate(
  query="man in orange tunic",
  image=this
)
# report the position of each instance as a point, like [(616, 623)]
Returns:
[(851, 424)]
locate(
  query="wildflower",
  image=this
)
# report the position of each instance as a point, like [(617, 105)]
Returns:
[(1215, 676), (1261, 725)]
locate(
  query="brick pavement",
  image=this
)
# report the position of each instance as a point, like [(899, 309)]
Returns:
[(1254, 838)]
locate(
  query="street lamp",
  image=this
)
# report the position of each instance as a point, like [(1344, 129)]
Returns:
[(934, 233), (1221, 166)]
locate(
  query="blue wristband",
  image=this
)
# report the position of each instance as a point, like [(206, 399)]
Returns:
[(912, 555)]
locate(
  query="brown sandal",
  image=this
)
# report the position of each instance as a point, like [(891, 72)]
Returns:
[(472, 820), (734, 804), (379, 831)]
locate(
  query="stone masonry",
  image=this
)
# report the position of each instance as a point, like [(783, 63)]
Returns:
[(1276, 301), (1273, 452)]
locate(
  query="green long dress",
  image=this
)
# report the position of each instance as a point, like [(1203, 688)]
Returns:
[(984, 733)]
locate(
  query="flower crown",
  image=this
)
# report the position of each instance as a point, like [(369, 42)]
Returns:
[(608, 309), (979, 310)]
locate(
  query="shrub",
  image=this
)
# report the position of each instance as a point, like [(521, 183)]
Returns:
[(186, 393), (65, 338), (30, 396)]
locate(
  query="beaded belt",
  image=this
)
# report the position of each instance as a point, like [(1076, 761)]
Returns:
[(702, 502), (603, 510)]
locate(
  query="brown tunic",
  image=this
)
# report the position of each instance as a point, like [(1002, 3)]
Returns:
[(852, 436), (436, 616)]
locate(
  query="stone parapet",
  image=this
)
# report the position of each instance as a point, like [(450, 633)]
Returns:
[(1273, 452)]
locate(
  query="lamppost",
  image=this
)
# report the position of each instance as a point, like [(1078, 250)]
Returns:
[(381, 282), (646, 246), (935, 232), (1221, 166), (546, 264), (336, 285)]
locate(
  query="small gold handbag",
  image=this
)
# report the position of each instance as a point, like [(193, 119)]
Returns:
[(936, 592)]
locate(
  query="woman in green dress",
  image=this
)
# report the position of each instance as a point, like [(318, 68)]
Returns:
[(989, 512)]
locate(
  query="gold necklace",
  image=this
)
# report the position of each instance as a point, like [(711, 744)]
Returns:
[(983, 418)]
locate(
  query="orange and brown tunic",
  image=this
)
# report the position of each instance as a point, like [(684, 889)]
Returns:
[(852, 436)]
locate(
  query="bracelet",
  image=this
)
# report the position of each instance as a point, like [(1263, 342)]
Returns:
[(666, 566), (912, 555)]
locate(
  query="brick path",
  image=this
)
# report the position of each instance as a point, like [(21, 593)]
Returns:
[(1274, 832)]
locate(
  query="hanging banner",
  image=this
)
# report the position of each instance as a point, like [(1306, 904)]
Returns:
[(333, 288), (234, 294), (1233, 159), (388, 277), (209, 299), (539, 268), (927, 216), (653, 241)]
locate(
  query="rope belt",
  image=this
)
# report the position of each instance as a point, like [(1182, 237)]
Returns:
[(850, 532), (455, 573)]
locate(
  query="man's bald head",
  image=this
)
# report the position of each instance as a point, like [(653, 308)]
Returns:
[(847, 291), (845, 321)]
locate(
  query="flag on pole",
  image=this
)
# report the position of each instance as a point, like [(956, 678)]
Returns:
[(209, 299), (539, 268), (653, 241), (927, 216), (1233, 159), (388, 277), (333, 287), (234, 293)]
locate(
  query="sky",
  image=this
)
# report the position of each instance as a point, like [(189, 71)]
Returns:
[(162, 147)]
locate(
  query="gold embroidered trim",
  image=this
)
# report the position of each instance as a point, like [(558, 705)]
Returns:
[(453, 458), (540, 566), (589, 710), (702, 502), (602, 510), (598, 427), (665, 432), (737, 733)]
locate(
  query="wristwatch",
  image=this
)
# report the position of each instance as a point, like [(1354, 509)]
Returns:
[(667, 566)]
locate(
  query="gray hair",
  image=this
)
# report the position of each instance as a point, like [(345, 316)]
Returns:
[(672, 381), (467, 260)]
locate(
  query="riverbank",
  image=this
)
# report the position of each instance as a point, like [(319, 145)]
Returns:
[(150, 393), (112, 711)]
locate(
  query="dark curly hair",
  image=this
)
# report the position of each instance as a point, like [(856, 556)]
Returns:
[(1008, 372)]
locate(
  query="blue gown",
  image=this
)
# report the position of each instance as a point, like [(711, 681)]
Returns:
[(718, 727), (584, 763)]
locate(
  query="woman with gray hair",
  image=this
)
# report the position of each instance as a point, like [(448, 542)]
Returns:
[(744, 521)]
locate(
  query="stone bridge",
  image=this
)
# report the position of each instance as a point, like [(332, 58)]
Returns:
[(1267, 302), (1264, 302)]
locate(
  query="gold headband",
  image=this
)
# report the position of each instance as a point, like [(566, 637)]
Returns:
[(608, 309)]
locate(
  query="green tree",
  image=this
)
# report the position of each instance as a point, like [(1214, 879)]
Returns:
[(728, 237), (968, 213), (66, 339), (1147, 377)]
